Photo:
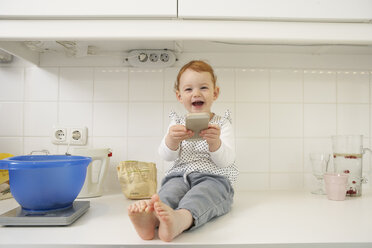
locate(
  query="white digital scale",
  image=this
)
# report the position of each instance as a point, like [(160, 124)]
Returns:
[(63, 217)]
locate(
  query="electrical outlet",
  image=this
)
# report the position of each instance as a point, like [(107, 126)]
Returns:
[(69, 135), (164, 57), (59, 135), (154, 57), (78, 136), (142, 57)]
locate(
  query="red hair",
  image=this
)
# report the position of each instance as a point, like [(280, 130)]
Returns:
[(198, 66)]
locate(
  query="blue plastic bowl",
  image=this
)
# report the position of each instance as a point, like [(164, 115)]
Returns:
[(45, 182)]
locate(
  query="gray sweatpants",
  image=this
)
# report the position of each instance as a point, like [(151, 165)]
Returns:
[(205, 195)]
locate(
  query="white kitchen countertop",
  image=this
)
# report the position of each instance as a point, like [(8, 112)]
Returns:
[(258, 219)]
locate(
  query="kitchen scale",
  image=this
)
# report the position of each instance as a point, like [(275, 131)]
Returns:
[(62, 217)]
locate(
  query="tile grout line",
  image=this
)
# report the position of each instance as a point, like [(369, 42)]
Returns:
[(23, 109), (369, 126), (303, 129), (58, 102), (163, 115), (234, 104), (93, 104), (127, 114), (269, 135), (337, 103)]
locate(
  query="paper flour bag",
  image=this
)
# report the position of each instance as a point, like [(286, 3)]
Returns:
[(138, 179)]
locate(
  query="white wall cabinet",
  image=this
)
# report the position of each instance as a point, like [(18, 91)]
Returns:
[(293, 10), (68, 9), (253, 22)]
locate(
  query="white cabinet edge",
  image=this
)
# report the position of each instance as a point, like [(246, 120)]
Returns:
[(233, 31), (85, 9), (290, 10)]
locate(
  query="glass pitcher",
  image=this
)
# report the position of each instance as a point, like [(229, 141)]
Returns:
[(348, 158)]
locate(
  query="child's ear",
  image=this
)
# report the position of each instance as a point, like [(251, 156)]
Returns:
[(178, 95), (216, 92)]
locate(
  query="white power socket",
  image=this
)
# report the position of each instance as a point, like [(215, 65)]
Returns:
[(153, 58), (69, 135), (59, 135)]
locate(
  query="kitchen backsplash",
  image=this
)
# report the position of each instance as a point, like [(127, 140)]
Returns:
[(279, 115)]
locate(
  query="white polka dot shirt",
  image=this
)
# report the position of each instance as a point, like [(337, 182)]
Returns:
[(194, 155)]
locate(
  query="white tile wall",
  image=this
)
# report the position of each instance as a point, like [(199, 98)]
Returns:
[(11, 121), (286, 155), (12, 145), (253, 181), (12, 84), (252, 119), (110, 119), (320, 120), (76, 114), (111, 84), (39, 117), (353, 118), (352, 87), (253, 154), (146, 119), (41, 84), (145, 85), (279, 115), (286, 181), (225, 80), (320, 86), (76, 84), (286, 86), (170, 77), (286, 120), (252, 85)]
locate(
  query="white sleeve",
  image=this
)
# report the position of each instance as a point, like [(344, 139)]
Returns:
[(164, 151), (225, 155)]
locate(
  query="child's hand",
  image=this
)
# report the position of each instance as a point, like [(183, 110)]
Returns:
[(176, 134), (212, 136)]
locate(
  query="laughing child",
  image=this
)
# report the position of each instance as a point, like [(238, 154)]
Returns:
[(198, 186)]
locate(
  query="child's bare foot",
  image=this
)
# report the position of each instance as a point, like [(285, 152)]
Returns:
[(141, 213), (172, 222)]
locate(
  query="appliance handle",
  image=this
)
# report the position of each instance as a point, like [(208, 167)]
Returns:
[(103, 169), (40, 151)]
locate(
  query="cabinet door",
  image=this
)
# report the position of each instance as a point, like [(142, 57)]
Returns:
[(308, 10), (70, 9)]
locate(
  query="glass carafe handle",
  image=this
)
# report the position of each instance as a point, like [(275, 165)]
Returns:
[(366, 149), (363, 179)]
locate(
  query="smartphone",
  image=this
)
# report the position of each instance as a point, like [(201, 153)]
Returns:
[(197, 122)]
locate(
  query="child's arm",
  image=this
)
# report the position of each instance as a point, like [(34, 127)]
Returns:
[(166, 153), (169, 146), (224, 155), (175, 135), (212, 136)]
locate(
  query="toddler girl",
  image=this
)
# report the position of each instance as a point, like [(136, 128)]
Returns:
[(198, 186)]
